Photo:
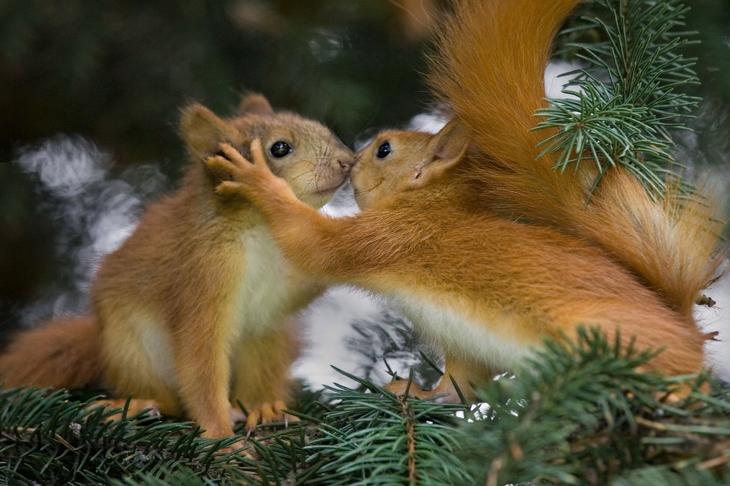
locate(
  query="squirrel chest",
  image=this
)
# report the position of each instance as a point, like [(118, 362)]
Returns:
[(270, 287)]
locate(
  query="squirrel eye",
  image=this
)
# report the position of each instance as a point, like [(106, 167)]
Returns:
[(384, 150), (280, 149)]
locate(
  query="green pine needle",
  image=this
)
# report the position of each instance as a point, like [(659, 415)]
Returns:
[(46, 437), (580, 413), (629, 97), (576, 413)]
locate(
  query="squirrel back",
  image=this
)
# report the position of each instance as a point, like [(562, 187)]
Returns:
[(489, 67)]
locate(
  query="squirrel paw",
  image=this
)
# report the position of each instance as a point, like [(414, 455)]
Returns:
[(136, 406), (268, 412), (399, 387), (243, 177), (441, 394), (229, 164)]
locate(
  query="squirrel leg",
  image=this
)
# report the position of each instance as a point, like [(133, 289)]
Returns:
[(128, 370), (468, 374), (261, 381), (203, 371)]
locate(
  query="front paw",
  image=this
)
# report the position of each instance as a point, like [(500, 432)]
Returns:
[(224, 171), (241, 176)]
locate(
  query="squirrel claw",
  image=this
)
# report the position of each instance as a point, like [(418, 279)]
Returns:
[(268, 413), (233, 157), (219, 163), (228, 188)]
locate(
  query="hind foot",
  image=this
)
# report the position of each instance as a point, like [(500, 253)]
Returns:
[(267, 413)]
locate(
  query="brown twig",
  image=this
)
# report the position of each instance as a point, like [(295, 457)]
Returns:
[(411, 435), (711, 463), (494, 469)]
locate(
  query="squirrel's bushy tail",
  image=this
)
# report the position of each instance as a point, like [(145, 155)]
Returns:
[(61, 354), (489, 66)]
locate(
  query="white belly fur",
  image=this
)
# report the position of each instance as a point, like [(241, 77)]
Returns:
[(264, 299), (460, 336), (270, 284), (157, 343)]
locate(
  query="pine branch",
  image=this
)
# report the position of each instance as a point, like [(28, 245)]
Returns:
[(576, 413), (46, 437), (628, 98), (580, 413), (374, 437), (390, 340)]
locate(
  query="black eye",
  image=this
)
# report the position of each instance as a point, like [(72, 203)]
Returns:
[(280, 149), (384, 150)]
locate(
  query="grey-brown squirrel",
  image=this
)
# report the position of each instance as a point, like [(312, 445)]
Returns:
[(191, 314)]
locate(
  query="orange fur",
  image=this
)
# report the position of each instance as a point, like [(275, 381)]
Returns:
[(489, 68), (193, 309), (486, 289), (489, 270)]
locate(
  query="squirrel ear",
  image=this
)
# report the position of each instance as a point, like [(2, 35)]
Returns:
[(447, 148), (202, 130), (254, 103), (451, 141)]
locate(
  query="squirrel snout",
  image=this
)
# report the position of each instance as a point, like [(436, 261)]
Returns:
[(346, 163)]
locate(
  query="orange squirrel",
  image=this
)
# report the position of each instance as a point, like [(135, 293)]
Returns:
[(192, 311), (478, 240)]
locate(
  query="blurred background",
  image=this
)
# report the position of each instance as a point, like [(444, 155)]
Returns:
[(91, 93)]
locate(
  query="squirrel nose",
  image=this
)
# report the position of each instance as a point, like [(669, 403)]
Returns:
[(346, 164)]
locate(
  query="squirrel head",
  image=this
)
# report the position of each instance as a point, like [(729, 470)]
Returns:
[(397, 161), (303, 152)]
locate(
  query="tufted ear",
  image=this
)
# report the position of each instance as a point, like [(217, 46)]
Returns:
[(446, 149), (202, 130), (254, 103)]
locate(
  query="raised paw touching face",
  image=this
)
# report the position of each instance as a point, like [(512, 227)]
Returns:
[(251, 179)]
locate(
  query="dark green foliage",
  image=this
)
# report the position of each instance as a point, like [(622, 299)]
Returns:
[(631, 92), (581, 414), (364, 435), (574, 414), (664, 476), (374, 437), (48, 438), (118, 72)]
